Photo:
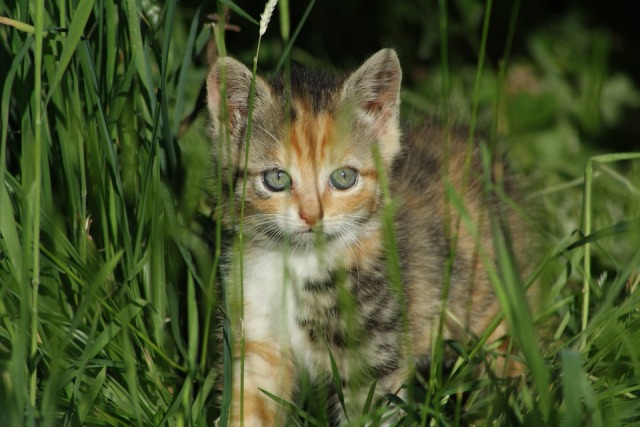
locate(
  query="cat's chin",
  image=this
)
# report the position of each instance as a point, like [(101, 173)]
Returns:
[(309, 239)]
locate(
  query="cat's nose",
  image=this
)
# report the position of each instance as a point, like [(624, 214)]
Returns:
[(310, 217)]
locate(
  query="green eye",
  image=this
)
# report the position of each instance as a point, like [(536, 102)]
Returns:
[(276, 180), (343, 178)]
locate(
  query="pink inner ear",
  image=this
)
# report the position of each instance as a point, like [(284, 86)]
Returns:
[(237, 100), (213, 92), (236, 106), (385, 94), (383, 117)]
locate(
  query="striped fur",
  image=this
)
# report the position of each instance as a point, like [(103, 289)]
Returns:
[(314, 272)]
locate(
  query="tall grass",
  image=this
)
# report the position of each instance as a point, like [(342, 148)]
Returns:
[(107, 270), (100, 260)]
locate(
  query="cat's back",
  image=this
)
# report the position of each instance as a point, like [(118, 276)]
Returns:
[(437, 166), (443, 215)]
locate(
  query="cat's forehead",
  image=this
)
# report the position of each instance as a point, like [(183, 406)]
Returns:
[(321, 132), (310, 134), (313, 89), (312, 141)]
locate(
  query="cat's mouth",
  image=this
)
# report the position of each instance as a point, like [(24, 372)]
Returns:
[(313, 234), (304, 237), (309, 237)]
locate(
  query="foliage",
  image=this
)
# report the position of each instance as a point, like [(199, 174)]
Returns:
[(100, 259)]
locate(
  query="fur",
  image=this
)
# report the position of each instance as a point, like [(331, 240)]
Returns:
[(314, 268)]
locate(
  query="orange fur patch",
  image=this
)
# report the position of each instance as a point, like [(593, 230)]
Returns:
[(255, 402)]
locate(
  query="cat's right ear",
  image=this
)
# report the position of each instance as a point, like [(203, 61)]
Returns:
[(374, 91), (375, 86), (230, 80)]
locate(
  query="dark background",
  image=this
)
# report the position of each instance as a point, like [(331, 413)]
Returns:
[(341, 34)]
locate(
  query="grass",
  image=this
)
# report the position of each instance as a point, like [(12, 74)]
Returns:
[(107, 279)]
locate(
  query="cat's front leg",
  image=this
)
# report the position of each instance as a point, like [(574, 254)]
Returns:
[(261, 349), (258, 366)]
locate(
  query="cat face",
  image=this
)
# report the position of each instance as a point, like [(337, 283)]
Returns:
[(314, 188), (311, 178)]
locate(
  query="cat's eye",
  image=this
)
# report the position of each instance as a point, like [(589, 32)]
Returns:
[(276, 180), (343, 178)]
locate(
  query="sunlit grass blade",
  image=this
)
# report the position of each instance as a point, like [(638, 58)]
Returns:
[(22, 26)]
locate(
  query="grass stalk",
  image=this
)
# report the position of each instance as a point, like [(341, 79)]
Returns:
[(34, 194), (264, 22), (435, 374)]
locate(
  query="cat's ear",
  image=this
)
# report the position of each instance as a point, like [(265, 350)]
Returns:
[(375, 86), (234, 79), (374, 91)]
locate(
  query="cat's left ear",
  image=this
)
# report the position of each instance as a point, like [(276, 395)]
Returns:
[(232, 78), (375, 86)]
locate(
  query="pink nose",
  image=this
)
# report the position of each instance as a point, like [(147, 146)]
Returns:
[(310, 217)]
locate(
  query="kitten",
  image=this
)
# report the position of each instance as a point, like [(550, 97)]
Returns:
[(311, 277)]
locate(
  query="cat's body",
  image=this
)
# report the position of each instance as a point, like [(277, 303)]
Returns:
[(314, 262)]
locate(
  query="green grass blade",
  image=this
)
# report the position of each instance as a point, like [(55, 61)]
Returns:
[(111, 35), (204, 393), (86, 403), (337, 383), (294, 37), (22, 26), (237, 9), (138, 51), (184, 70), (369, 401), (192, 320), (124, 317), (33, 184), (577, 392), (74, 34), (8, 225), (310, 420), (105, 137), (166, 125)]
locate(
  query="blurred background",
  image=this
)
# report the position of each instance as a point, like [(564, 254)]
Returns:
[(562, 54)]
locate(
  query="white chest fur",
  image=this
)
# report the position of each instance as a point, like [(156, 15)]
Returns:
[(272, 280)]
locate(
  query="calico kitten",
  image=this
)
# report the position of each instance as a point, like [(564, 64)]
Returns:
[(309, 276)]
